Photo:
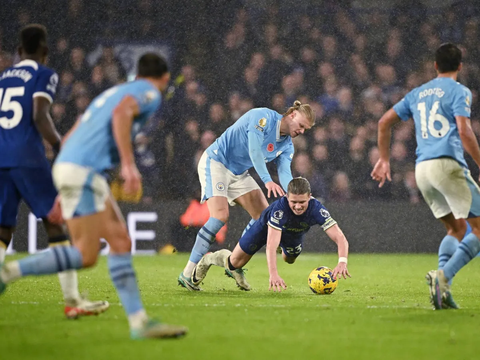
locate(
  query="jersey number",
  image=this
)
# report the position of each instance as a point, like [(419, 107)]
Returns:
[(7, 104), (99, 102), (432, 119)]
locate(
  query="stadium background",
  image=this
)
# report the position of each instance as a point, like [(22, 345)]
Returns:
[(351, 60)]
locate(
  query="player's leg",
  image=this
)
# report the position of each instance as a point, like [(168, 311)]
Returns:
[(9, 201), (251, 199), (214, 180), (114, 231)]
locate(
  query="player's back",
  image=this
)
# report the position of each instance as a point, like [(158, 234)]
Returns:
[(232, 147), (92, 144), (433, 107), (21, 144)]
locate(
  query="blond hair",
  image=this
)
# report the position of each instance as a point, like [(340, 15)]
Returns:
[(305, 109)]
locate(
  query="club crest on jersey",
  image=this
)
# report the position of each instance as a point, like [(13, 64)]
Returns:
[(278, 214), (270, 147), (220, 186), (324, 213), (262, 122)]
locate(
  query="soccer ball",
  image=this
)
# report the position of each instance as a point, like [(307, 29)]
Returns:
[(321, 281)]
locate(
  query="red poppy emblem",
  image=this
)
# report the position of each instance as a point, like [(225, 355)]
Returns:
[(270, 147)]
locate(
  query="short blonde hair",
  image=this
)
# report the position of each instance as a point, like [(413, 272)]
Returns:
[(305, 109)]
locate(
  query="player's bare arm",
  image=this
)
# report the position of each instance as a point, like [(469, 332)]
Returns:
[(381, 171), (44, 123), (469, 140), (122, 122), (337, 236), (273, 241)]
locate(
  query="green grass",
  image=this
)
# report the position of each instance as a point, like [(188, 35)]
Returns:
[(382, 312)]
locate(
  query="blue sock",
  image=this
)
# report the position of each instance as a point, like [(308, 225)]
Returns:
[(205, 237), (51, 261), (125, 281), (447, 248), (249, 225), (467, 250)]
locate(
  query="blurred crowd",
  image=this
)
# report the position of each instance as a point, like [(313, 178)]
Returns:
[(350, 66)]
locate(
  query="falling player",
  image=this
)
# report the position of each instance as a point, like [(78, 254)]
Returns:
[(259, 136), (99, 141), (284, 223), (26, 93), (441, 112)]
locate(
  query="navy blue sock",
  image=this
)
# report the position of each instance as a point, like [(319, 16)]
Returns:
[(205, 237), (467, 250), (51, 261), (125, 281)]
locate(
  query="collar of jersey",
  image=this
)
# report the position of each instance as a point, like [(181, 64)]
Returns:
[(27, 62), (280, 138)]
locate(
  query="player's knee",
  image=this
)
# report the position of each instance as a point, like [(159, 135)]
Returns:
[(121, 243), (289, 260), (222, 215), (89, 259)]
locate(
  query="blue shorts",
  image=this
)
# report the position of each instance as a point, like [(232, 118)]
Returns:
[(33, 185), (256, 237)]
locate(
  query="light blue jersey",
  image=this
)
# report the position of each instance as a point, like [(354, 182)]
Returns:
[(433, 107), (92, 143), (254, 140)]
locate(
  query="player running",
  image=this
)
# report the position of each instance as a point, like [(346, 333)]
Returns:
[(259, 136), (441, 112), (285, 222), (26, 92), (99, 141)]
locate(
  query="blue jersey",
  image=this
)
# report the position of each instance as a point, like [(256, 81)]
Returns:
[(92, 143), (293, 227), (279, 216), (433, 107), (254, 140), (21, 144)]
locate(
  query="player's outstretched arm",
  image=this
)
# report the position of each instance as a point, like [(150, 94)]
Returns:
[(337, 236), (381, 171), (122, 121), (468, 138), (44, 123), (273, 241)]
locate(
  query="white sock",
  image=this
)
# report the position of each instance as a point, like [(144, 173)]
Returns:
[(187, 272), (69, 283), (3, 252), (10, 272), (138, 319)]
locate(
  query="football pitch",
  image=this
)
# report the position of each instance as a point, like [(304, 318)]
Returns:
[(382, 312)]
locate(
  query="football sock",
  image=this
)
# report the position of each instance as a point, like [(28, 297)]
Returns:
[(230, 266), (125, 281), (249, 225), (467, 250), (447, 248), (68, 279), (205, 237)]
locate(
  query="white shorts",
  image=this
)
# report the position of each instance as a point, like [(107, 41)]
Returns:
[(448, 188), (82, 190), (217, 180)]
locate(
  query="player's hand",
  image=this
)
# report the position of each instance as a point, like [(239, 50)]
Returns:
[(274, 189), (341, 269), (132, 178), (381, 172), (55, 214), (277, 283)]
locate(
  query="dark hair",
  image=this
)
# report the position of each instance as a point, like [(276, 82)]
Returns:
[(32, 37), (299, 186), (448, 57), (152, 65)]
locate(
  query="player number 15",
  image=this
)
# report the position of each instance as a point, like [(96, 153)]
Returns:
[(7, 104)]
